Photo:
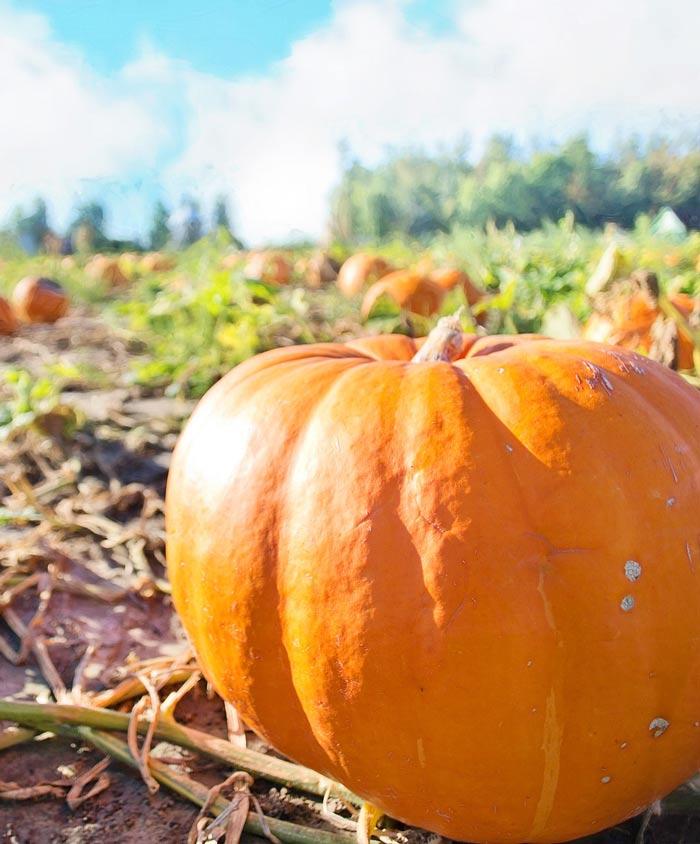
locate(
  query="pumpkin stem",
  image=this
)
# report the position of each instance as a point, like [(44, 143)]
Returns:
[(367, 822), (444, 342)]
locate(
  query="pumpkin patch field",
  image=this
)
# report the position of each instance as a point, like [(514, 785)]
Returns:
[(274, 565)]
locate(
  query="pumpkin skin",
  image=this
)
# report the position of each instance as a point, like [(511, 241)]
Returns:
[(103, 268), (410, 290), (156, 262), (629, 324), (449, 278), (8, 320), (269, 268), (37, 299), (468, 591), (358, 270)]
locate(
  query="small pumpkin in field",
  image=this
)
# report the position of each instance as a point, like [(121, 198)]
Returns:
[(411, 291), (450, 277), (104, 268), (38, 299), (268, 267), (466, 588), (631, 316), (317, 270), (360, 269), (8, 319), (156, 262)]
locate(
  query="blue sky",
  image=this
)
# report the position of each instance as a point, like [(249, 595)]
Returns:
[(136, 101), (222, 37)]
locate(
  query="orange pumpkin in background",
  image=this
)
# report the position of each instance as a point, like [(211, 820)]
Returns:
[(156, 262), (359, 270), (409, 289), (468, 590), (268, 267), (104, 268), (449, 278), (631, 317), (8, 319), (37, 299)]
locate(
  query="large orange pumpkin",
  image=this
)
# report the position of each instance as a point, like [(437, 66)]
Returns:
[(469, 591), (358, 270), (409, 289), (8, 319), (38, 299), (630, 316)]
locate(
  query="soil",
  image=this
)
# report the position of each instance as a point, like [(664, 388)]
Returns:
[(90, 477)]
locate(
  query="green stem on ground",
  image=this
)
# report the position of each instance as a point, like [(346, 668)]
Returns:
[(49, 717)]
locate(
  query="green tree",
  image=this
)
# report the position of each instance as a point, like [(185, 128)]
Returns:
[(159, 233), (88, 226), (30, 229)]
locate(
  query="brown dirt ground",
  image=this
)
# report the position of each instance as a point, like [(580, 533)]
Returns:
[(96, 521)]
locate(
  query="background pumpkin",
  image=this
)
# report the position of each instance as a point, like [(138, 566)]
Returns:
[(37, 299), (268, 267), (410, 290), (107, 269), (630, 315), (449, 278), (359, 270), (8, 319), (467, 591)]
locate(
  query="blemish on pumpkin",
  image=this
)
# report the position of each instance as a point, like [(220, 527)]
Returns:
[(659, 726), (690, 556), (509, 447), (627, 603), (501, 370), (633, 570), (605, 780), (670, 502), (623, 745), (598, 377), (421, 752), (551, 745)]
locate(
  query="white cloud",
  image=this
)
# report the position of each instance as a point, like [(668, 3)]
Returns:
[(543, 69), (64, 126)]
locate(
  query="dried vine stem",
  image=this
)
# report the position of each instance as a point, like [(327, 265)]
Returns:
[(52, 717)]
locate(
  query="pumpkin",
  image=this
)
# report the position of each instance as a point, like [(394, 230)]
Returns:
[(268, 267), (8, 319), (232, 260), (468, 590), (410, 290), (317, 270), (103, 268), (358, 270), (630, 316), (38, 299), (156, 262), (449, 278)]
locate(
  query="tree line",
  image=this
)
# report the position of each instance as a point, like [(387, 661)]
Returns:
[(418, 194), (88, 232)]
